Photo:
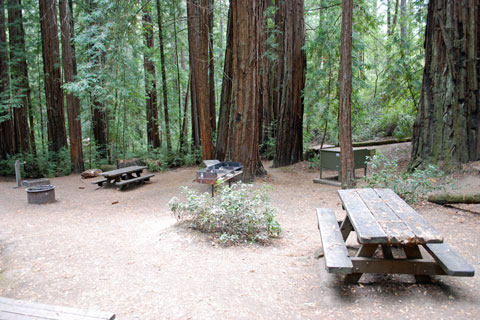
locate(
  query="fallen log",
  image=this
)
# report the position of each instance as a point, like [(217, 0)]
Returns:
[(450, 198)]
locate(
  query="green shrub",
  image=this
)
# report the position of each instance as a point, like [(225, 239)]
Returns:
[(53, 164), (315, 161), (411, 186), (394, 123), (237, 213)]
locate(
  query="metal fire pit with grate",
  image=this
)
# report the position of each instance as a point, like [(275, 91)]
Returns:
[(41, 194), (222, 170)]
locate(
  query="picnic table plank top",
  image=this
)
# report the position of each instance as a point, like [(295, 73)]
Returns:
[(381, 216), (393, 226), (367, 228), (419, 226), (119, 172)]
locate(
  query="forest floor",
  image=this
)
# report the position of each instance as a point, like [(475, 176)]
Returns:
[(132, 258)]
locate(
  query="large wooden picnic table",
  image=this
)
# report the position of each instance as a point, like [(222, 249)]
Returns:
[(124, 176), (116, 175), (391, 235)]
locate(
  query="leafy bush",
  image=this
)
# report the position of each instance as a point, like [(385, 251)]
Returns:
[(53, 164), (411, 186), (236, 213), (315, 161), (394, 123)]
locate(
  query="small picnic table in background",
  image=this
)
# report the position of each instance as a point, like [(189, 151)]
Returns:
[(382, 220), (124, 176)]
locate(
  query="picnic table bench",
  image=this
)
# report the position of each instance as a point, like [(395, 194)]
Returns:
[(386, 225), (124, 177), (11, 309)]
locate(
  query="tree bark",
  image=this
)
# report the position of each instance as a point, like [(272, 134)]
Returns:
[(226, 94), (53, 79), (211, 69), (289, 142), (153, 136), (446, 131), (451, 198), (73, 103), (98, 110), (403, 20), (394, 22), (182, 137), (198, 36), (268, 117), (164, 79), (19, 77), (7, 142), (247, 20), (345, 99)]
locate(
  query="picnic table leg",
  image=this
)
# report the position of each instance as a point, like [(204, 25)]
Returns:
[(367, 251), (346, 227), (213, 190), (387, 251), (413, 252)]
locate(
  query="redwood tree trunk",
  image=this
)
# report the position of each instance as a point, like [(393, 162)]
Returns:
[(211, 68), (7, 142), (344, 109), (73, 103), (19, 76), (245, 105), (53, 78), (226, 95), (289, 144), (164, 79), (197, 11), (447, 127), (98, 110), (153, 136)]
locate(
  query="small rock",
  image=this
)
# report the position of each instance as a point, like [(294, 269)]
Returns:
[(318, 253), (91, 173)]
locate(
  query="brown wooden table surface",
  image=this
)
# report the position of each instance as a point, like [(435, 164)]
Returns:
[(391, 233), (118, 173), (380, 216)]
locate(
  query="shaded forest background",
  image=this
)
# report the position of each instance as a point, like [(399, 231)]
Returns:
[(87, 82)]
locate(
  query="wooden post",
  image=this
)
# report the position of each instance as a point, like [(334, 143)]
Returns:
[(18, 174)]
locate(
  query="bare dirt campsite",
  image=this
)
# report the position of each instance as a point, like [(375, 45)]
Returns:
[(123, 252)]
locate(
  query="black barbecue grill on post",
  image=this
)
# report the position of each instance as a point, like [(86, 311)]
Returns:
[(216, 170)]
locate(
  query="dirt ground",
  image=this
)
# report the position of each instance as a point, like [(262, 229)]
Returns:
[(131, 258)]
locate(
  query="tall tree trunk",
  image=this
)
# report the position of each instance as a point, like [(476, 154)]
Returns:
[(184, 128), (164, 79), (153, 136), (447, 130), (7, 142), (19, 77), (197, 11), (389, 16), (57, 135), (403, 20), (226, 94), (211, 68), (345, 101), (394, 22), (181, 138), (247, 20), (289, 144), (98, 110), (267, 115), (196, 140), (73, 103)]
